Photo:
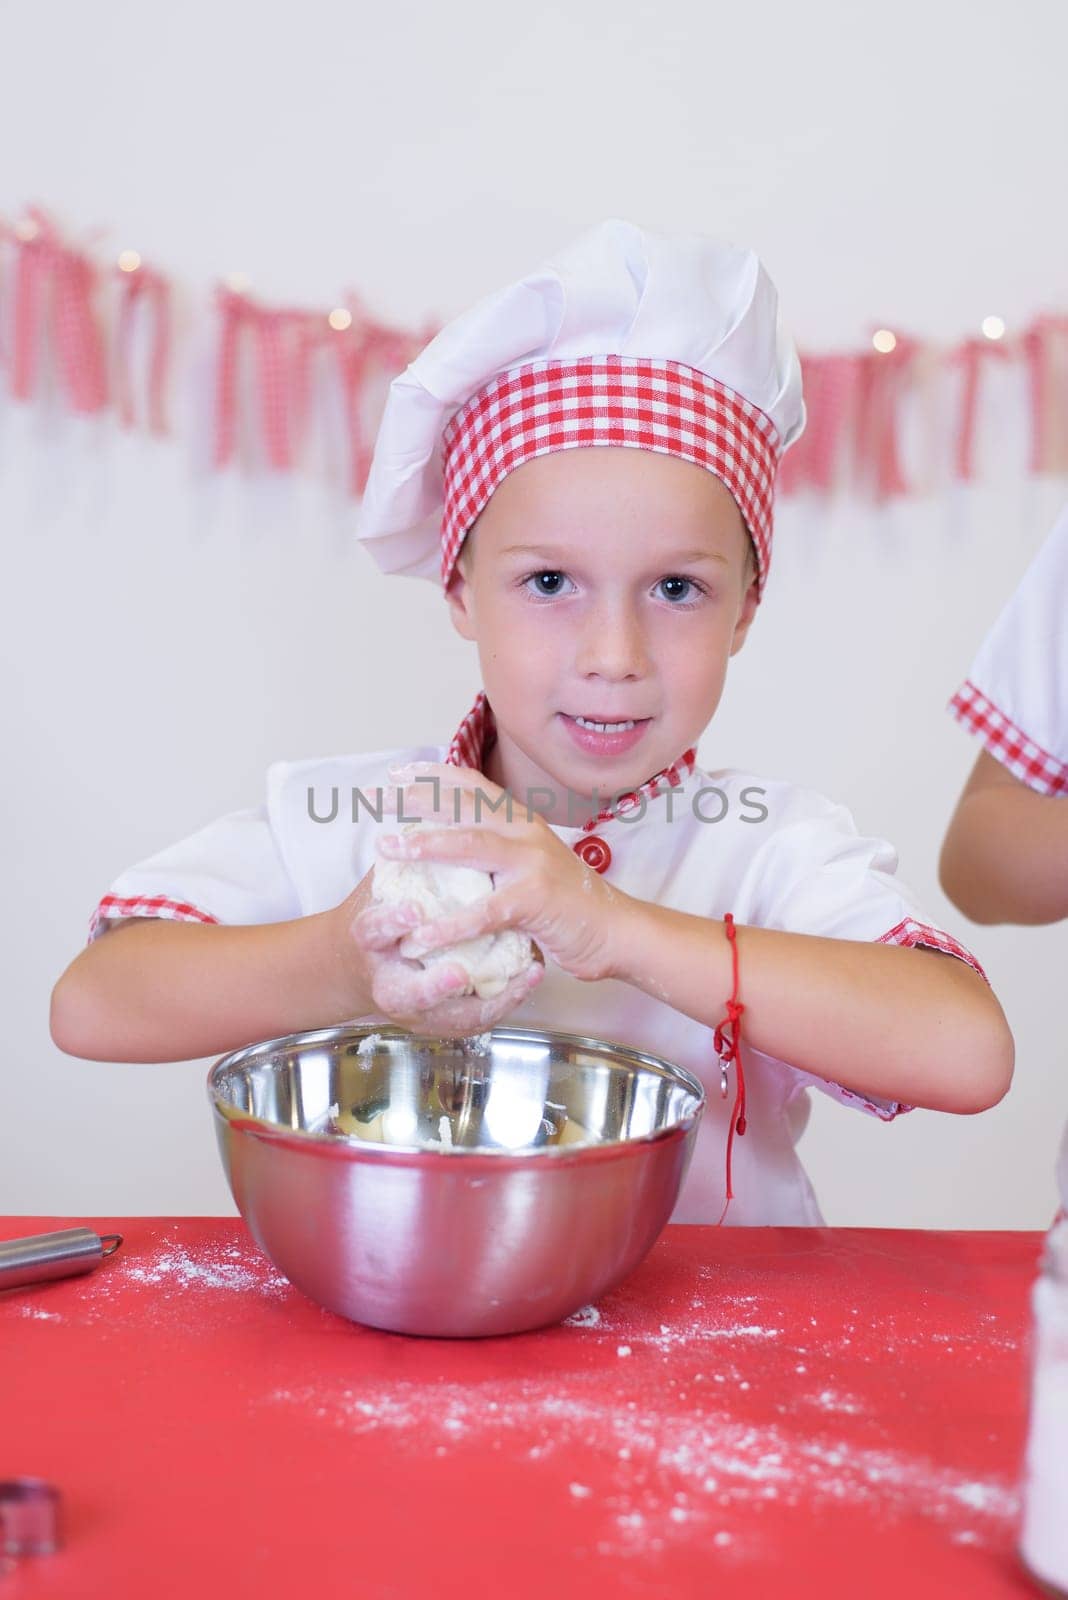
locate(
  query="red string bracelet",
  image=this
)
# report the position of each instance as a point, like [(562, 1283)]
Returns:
[(728, 1042)]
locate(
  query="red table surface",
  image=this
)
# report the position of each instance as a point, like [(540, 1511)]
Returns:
[(755, 1412)]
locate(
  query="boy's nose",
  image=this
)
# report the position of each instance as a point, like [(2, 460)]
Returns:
[(612, 645)]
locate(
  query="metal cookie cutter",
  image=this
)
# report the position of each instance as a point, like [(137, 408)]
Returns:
[(53, 1255), (29, 1518)]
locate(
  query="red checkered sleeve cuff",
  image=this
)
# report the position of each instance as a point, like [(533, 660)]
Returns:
[(909, 933), (1007, 742), (115, 908)]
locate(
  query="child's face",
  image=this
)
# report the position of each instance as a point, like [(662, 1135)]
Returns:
[(606, 583)]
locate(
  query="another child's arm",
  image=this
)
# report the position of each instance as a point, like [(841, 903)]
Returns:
[(1005, 856), (156, 990)]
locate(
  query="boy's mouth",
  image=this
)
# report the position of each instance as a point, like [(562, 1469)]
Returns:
[(603, 735), (608, 724)]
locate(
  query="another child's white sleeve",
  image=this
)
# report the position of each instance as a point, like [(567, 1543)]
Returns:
[(819, 876), (228, 872), (1015, 698)]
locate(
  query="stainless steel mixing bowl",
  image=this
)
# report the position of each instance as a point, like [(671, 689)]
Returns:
[(453, 1187)]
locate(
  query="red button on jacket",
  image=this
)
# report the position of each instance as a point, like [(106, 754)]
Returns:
[(594, 852)]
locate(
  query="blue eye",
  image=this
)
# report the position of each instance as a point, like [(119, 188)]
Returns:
[(548, 590), (687, 583), (548, 585)]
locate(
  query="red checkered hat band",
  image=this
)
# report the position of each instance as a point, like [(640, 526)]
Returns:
[(647, 404)]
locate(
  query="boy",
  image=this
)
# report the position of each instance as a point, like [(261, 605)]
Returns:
[(609, 427)]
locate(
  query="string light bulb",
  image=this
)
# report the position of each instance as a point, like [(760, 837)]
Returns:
[(340, 319), (129, 261), (884, 341), (993, 327), (26, 229), (238, 283)]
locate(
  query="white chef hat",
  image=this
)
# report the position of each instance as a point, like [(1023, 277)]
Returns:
[(663, 342)]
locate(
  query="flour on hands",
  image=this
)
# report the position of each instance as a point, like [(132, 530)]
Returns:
[(439, 889)]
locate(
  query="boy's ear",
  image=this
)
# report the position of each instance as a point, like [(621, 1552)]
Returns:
[(745, 616), (458, 597)]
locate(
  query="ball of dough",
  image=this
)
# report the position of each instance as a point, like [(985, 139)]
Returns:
[(439, 888)]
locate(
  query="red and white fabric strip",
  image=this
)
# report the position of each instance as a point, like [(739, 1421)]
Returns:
[(54, 291), (1024, 758), (149, 291), (112, 907), (232, 309), (832, 385), (648, 404), (972, 356), (911, 933), (877, 438), (849, 1097), (475, 737), (271, 353), (1045, 347), (365, 353)]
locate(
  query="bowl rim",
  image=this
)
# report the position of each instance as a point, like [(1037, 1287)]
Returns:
[(339, 1145)]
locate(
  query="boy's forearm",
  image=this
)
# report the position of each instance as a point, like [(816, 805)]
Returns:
[(1005, 858), (168, 991), (896, 1024)]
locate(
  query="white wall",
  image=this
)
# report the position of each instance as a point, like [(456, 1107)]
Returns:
[(164, 637)]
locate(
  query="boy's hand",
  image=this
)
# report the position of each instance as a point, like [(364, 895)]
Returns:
[(541, 887), (425, 1002)]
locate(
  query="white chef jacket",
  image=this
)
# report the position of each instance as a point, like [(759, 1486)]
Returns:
[(1015, 698), (804, 869)]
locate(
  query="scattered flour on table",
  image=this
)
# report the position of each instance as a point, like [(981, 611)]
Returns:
[(675, 1459), (832, 1400), (667, 1475), (727, 1318), (180, 1268), (218, 1274)]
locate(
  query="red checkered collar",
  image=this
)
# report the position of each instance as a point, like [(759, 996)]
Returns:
[(477, 734)]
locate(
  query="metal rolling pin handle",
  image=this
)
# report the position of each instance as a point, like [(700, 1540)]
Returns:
[(53, 1255)]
